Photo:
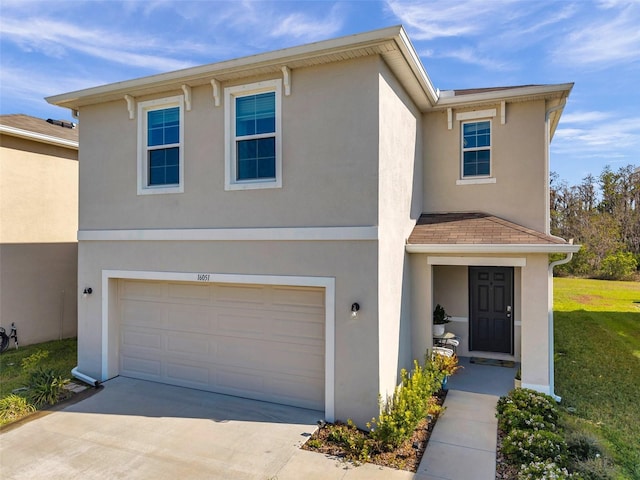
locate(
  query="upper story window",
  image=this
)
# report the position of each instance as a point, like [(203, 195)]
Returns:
[(160, 146), (253, 140), (476, 149)]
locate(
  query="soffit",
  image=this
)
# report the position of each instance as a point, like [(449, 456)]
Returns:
[(391, 44)]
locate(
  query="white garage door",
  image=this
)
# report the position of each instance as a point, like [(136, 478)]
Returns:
[(255, 341)]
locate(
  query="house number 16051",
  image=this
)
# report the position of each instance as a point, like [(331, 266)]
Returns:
[(203, 277)]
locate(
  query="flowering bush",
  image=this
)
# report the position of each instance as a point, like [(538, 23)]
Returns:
[(544, 471), (513, 417), (525, 446), (535, 403)]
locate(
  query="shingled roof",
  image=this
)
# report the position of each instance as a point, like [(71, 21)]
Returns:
[(477, 228), (18, 123)]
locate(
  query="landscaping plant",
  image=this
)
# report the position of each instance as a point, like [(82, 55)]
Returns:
[(411, 408), (13, 407), (46, 387)]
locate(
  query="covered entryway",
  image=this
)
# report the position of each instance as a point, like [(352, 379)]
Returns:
[(491, 309), (264, 342)]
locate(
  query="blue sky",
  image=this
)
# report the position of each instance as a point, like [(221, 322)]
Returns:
[(53, 47)]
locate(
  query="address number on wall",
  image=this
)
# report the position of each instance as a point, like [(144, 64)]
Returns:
[(203, 277)]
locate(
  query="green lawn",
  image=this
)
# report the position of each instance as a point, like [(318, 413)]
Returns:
[(597, 344), (62, 358)]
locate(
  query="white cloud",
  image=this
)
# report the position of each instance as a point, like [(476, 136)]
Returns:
[(609, 36), (605, 138), (57, 39), (302, 26), (444, 18), (585, 117)]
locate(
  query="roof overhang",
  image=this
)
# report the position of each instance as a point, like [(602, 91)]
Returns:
[(491, 248), (391, 43), (555, 95), (38, 137)]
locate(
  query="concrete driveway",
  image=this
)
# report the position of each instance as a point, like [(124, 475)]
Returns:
[(138, 429)]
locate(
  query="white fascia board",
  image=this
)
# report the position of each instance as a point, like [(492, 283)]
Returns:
[(497, 95), (235, 234), (492, 248), (38, 137), (205, 73), (406, 47)]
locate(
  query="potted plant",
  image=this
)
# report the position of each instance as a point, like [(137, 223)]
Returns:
[(518, 379), (440, 319)]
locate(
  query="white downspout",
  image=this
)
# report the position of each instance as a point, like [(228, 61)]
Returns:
[(567, 259), (85, 378), (562, 261)]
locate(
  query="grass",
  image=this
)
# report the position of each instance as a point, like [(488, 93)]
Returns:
[(62, 357), (597, 344)]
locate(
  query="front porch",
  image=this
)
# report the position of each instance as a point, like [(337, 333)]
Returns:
[(494, 278)]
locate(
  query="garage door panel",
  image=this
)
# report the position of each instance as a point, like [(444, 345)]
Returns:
[(142, 313), (241, 295), (190, 345), (240, 381), (138, 289), (188, 374), (256, 341), (239, 352), (288, 296), (298, 389), (150, 367), (190, 318), (241, 325), (295, 331), (135, 338), (189, 291)]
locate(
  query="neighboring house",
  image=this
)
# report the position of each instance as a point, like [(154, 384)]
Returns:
[(38, 227), (232, 214)]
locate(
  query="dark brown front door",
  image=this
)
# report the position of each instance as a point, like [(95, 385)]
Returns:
[(491, 309)]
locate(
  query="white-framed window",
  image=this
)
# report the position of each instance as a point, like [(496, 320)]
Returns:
[(476, 149), (161, 146), (253, 147)]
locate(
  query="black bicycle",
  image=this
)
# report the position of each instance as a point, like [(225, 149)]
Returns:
[(4, 338)]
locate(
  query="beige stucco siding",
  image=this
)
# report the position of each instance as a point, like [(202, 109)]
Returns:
[(517, 164), (398, 207), (326, 143), (38, 192), (352, 264), (535, 323), (38, 248)]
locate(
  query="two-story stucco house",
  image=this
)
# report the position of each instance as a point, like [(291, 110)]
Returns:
[(281, 226), (38, 227)]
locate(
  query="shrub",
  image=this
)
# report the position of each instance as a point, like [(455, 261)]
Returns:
[(513, 418), (46, 387), (13, 407), (531, 401), (352, 440), (594, 469), (544, 471), (30, 363), (410, 403), (526, 446), (618, 266)]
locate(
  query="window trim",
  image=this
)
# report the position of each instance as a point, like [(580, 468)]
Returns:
[(230, 94), (143, 166), (476, 179)]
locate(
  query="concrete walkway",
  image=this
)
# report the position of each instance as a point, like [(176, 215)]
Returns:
[(463, 443)]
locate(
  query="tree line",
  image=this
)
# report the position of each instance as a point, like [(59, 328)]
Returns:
[(603, 215)]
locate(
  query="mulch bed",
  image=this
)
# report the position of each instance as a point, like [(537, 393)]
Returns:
[(405, 457), (504, 471)]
